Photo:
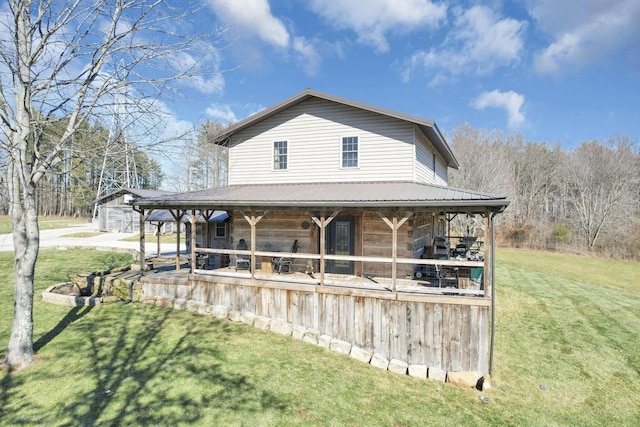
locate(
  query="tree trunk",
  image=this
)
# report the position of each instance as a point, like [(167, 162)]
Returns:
[(26, 241)]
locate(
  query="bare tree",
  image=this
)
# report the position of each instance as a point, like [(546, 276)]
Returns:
[(67, 59), (484, 164), (601, 184)]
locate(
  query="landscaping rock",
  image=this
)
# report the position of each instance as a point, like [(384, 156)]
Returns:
[(262, 322), (150, 299), (164, 302), (340, 346), (324, 341), (247, 318), (281, 327), (379, 361), (398, 366), (298, 332), (311, 336), (360, 354), (179, 304), (220, 312), (484, 383), (464, 379), (235, 315), (205, 309), (418, 371), (436, 374)]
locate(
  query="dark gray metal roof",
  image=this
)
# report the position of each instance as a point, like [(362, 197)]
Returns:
[(136, 192), (164, 215), (329, 195), (428, 127)]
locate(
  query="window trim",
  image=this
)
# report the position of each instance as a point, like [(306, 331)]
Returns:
[(285, 155), (342, 152), (224, 230)]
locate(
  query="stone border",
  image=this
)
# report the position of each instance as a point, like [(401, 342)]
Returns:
[(313, 336), (48, 295)]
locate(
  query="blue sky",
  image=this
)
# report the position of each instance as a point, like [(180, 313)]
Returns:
[(556, 71)]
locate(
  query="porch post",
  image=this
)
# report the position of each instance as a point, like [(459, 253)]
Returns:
[(177, 216), (253, 220), (488, 253), (322, 223), (160, 224), (394, 225), (143, 261), (193, 263)]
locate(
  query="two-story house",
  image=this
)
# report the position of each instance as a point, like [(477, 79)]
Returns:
[(362, 191)]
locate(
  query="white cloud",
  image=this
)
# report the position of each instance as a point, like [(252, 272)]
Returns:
[(309, 57), (478, 42), (371, 20), (585, 31), (510, 101), (253, 17), (221, 112)]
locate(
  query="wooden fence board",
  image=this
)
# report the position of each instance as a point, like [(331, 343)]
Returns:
[(450, 334)]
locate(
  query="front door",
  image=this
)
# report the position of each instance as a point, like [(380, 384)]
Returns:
[(340, 241)]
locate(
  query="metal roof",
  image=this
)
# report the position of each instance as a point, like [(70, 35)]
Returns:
[(165, 216), (328, 195), (137, 192), (428, 127)]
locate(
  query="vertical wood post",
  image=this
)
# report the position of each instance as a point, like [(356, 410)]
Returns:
[(177, 216), (253, 220), (160, 224), (193, 263), (394, 224), (322, 223), (143, 256), (488, 253)]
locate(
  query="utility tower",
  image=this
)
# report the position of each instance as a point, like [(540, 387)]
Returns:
[(118, 164)]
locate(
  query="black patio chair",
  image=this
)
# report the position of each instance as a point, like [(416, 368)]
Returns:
[(284, 264)]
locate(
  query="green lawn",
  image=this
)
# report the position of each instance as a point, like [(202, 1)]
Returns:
[(45, 222), (559, 326)]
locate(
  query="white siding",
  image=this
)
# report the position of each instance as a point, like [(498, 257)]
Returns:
[(314, 131), (424, 162)]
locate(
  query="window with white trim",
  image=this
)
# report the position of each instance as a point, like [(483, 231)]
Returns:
[(280, 155), (349, 152)]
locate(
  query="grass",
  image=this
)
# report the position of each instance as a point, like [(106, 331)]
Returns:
[(83, 234), (150, 238), (45, 222), (576, 336)]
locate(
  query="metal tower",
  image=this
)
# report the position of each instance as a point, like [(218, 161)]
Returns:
[(118, 164)]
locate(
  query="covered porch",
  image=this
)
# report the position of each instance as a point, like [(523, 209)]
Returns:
[(401, 270)]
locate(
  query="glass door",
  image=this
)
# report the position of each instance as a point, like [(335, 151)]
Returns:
[(340, 241)]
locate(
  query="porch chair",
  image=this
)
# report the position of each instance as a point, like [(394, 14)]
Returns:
[(283, 264), (243, 262)]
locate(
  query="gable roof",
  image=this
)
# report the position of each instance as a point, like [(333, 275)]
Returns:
[(137, 192), (383, 195), (428, 127)]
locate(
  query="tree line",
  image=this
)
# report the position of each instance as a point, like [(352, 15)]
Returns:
[(582, 199), (71, 187)]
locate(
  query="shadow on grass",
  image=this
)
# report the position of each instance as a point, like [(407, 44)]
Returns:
[(144, 375), (74, 314)]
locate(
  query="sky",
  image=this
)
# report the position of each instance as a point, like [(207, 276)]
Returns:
[(554, 71)]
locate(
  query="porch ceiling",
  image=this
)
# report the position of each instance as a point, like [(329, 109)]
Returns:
[(367, 195)]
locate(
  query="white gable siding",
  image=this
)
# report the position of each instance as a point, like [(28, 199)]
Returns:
[(424, 162), (314, 130)]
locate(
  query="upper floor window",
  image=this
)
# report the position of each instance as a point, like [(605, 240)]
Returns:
[(350, 152), (280, 155)]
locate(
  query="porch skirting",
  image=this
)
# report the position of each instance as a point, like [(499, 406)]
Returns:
[(422, 335)]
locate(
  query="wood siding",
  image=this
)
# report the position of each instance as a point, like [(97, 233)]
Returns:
[(277, 231), (314, 130), (424, 162), (443, 332)]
